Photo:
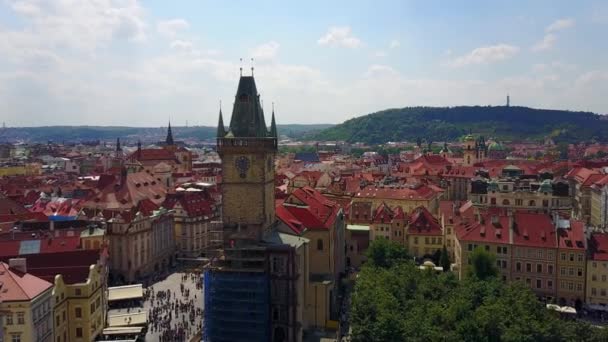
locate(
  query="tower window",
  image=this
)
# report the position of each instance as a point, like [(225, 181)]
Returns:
[(243, 98), (320, 244)]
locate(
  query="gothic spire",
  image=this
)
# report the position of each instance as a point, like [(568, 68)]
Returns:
[(118, 148), (273, 125), (169, 139), (247, 115), (221, 130)]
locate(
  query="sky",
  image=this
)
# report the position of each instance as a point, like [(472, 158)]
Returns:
[(142, 63)]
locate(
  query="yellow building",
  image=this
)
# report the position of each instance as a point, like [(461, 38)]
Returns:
[(80, 308), (25, 304), (32, 169), (93, 238), (597, 270), (571, 263), (599, 203), (424, 235)]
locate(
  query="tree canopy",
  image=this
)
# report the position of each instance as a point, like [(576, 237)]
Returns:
[(399, 302), (450, 123)]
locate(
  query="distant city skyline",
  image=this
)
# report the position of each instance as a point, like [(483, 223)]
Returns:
[(135, 63)]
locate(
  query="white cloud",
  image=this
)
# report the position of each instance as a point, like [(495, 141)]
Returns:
[(170, 28), (560, 24), (340, 36), (394, 44), (181, 44), (485, 55), (380, 53), (380, 70), (27, 8), (550, 37), (265, 52), (545, 44)]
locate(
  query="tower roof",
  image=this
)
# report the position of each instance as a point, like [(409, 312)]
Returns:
[(169, 139), (247, 119), (273, 125), (221, 130)]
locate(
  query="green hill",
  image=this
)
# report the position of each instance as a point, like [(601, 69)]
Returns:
[(438, 124), (90, 133)]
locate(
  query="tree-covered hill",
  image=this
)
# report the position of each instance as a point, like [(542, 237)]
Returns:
[(131, 134), (450, 123)]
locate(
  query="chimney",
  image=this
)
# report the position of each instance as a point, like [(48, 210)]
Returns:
[(18, 264)]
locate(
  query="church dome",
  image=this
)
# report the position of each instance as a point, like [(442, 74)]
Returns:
[(496, 146), (492, 185), (469, 137), (546, 186)]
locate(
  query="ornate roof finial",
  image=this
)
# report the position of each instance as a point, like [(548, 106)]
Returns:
[(251, 67), (241, 67)]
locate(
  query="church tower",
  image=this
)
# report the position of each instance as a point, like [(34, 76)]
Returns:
[(247, 149)]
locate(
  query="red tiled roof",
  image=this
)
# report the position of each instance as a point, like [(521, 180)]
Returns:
[(72, 265), (534, 230), (572, 238), (19, 286), (493, 229), (308, 207), (382, 214), (598, 246), (138, 186), (289, 219), (24, 217), (422, 192), (10, 207), (194, 204), (152, 154), (422, 222)]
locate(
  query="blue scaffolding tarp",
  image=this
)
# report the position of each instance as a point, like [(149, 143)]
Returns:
[(236, 306)]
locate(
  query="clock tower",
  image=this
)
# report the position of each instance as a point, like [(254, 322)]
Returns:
[(247, 149)]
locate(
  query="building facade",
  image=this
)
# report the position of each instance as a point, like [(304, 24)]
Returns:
[(26, 304)]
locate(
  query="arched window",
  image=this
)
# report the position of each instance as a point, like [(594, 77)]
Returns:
[(532, 203), (505, 202), (320, 244)]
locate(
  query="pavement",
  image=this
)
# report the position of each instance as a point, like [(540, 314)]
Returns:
[(172, 283)]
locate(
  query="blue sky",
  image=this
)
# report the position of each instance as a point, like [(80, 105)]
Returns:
[(139, 63)]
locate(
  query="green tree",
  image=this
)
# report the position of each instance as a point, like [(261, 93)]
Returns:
[(483, 264), (444, 259), (386, 253)]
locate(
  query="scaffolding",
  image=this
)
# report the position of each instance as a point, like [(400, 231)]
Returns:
[(236, 306)]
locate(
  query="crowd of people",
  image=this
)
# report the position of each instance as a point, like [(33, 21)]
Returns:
[(175, 316)]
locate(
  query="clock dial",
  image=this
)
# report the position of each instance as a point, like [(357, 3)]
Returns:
[(242, 164)]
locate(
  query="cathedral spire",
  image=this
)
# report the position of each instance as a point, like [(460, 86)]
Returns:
[(169, 139), (118, 148), (273, 125), (247, 119), (221, 130)]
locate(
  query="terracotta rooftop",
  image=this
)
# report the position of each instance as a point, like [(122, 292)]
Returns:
[(421, 192), (598, 247), (18, 286)]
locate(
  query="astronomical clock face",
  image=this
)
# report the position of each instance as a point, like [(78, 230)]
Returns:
[(242, 164)]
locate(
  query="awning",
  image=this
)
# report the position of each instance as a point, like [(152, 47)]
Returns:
[(122, 331), (357, 227), (125, 292), (129, 319)]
